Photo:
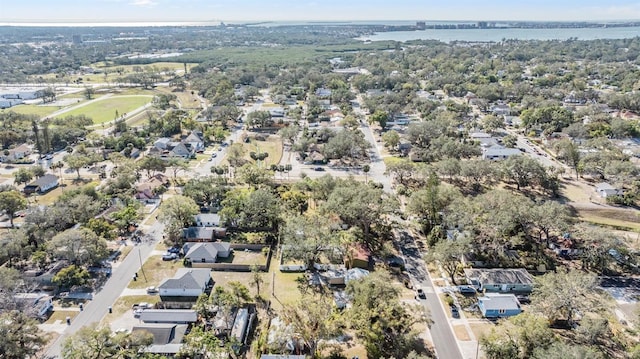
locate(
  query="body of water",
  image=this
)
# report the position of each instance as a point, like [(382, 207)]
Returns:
[(497, 34)]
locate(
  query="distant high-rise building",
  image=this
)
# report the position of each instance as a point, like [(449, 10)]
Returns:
[(482, 24), (421, 25), (77, 39)]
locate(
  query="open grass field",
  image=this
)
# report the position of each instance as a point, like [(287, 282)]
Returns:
[(105, 110), (40, 111), (272, 145), (155, 270)]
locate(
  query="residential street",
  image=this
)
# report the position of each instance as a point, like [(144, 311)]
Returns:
[(98, 306)]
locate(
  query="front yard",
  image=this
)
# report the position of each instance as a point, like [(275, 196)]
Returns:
[(154, 271)]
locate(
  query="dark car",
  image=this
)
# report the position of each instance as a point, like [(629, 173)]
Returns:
[(174, 250), (454, 312), (466, 289), (421, 293), (319, 169)]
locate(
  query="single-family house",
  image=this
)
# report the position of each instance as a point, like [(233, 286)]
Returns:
[(494, 305), (194, 140), (207, 219), (181, 150), (187, 282), (150, 189), (177, 316), (198, 234), (497, 152), (605, 190), (16, 153), (163, 333), (42, 184), (485, 139), (501, 109), (500, 279), (35, 304), (163, 143), (203, 255), (323, 92)]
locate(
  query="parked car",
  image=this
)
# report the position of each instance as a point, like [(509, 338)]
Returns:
[(466, 289), (142, 305), (152, 290), (420, 293), (169, 256), (319, 169), (175, 250), (454, 312), (214, 155)]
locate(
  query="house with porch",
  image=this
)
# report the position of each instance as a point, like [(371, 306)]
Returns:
[(204, 255)]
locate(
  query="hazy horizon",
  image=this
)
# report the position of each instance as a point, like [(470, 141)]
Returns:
[(114, 11)]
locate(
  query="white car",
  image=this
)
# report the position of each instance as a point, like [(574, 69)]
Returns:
[(152, 290)]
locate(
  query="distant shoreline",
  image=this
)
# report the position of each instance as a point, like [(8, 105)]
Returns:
[(389, 25)]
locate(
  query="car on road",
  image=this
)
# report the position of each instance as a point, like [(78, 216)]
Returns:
[(420, 293), (466, 289), (152, 290), (319, 169), (454, 312), (214, 155), (169, 256)]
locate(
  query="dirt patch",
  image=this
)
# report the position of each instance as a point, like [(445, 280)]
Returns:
[(481, 329), (461, 333)]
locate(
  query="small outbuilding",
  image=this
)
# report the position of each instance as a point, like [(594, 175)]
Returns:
[(605, 190)]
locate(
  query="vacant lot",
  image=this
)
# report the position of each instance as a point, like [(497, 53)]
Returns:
[(272, 145), (104, 110), (154, 271), (245, 257)]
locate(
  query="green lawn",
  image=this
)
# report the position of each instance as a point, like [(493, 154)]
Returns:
[(40, 111), (104, 110)]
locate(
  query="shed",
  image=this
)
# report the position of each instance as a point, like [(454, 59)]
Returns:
[(494, 305)]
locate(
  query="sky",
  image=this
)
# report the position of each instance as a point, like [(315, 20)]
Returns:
[(315, 10)]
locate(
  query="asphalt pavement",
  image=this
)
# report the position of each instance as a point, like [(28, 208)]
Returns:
[(95, 310)]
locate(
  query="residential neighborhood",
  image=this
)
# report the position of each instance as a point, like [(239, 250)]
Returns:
[(460, 199)]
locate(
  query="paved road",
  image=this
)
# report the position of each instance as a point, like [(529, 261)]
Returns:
[(98, 307), (444, 341)]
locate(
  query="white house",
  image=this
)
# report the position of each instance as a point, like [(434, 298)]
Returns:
[(496, 152), (42, 184), (605, 190), (188, 282), (36, 304)]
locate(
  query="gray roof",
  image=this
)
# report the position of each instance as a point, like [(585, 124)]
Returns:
[(44, 180), (169, 315), (202, 250), (208, 218), (193, 138), (198, 233), (494, 301), (501, 151), (500, 275), (188, 278), (162, 333), (604, 186)]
